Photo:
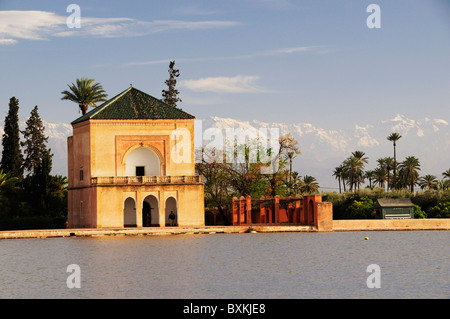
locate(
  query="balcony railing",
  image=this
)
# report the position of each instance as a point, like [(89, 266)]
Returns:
[(146, 180)]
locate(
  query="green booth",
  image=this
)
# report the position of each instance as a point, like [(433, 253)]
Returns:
[(394, 208)]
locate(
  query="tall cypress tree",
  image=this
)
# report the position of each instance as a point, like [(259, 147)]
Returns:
[(35, 142), (38, 186), (37, 164), (171, 94), (12, 158)]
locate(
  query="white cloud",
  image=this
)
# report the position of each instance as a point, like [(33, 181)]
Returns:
[(7, 41), (236, 84), (267, 53), (31, 25), (123, 27), (290, 50), (41, 25)]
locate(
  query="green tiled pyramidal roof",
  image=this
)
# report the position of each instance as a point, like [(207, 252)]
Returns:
[(133, 104)]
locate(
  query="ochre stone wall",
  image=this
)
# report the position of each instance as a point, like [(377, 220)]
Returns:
[(391, 224), (99, 148)]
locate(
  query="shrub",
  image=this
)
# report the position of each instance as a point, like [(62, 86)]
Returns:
[(424, 201), (441, 210), (418, 212), (363, 209)]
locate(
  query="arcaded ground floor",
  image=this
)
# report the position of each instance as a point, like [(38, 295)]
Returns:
[(121, 206)]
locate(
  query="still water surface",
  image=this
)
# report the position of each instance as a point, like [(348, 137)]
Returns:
[(413, 264)]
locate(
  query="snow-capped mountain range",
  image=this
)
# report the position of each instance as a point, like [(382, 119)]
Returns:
[(57, 141), (321, 149)]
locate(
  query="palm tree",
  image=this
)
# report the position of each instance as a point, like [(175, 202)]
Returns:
[(339, 174), (428, 182), (290, 155), (6, 182), (409, 171), (370, 175), (380, 176), (310, 185), (446, 174), (61, 184), (394, 137), (389, 165), (85, 93), (296, 183), (354, 169)]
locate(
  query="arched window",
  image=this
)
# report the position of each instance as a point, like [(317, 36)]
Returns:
[(142, 161)]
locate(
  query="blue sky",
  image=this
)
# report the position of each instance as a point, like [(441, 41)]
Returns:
[(270, 60)]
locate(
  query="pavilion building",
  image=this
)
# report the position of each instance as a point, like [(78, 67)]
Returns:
[(131, 164)]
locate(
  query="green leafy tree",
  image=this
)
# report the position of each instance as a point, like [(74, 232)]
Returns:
[(12, 158), (171, 94), (441, 210), (34, 143), (85, 93), (419, 213), (361, 209)]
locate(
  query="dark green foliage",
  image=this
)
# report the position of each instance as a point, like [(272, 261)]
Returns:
[(12, 157), (423, 201), (39, 200), (419, 213), (441, 210), (363, 209), (171, 94), (37, 186), (32, 222), (85, 93), (34, 144)]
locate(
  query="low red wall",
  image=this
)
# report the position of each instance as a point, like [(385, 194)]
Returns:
[(306, 210)]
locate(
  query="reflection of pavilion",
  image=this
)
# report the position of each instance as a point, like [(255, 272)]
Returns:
[(124, 168)]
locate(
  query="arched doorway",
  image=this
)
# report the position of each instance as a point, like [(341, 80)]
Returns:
[(129, 212), (150, 211), (142, 161), (171, 208)]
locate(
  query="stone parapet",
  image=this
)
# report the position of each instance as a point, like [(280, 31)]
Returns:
[(145, 180), (391, 224)]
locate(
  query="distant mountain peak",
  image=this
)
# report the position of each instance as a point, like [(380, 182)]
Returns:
[(322, 149)]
